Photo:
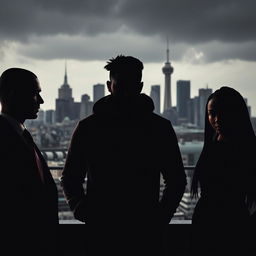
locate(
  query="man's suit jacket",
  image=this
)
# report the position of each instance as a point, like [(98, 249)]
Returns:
[(29, 208)]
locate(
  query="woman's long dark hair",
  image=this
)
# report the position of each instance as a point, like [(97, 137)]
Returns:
[(229, 100)]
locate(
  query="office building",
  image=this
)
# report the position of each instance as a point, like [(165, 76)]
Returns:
[(98, 92), (183, 99), (155, 95), (204, 93), (86, 106), (64, 102), (49, 116)]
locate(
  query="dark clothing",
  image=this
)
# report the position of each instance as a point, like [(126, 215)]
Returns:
[(221, 217), (29, 211), (122, 149)]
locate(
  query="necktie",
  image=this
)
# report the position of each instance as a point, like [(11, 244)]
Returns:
[(30, 141)]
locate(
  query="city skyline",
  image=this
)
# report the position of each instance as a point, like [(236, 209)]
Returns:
[(210, 42), (90, 92)]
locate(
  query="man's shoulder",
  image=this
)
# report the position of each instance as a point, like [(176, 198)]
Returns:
[(95, 120), (7, 133), (160, 120), (88, 123), (88, 120)]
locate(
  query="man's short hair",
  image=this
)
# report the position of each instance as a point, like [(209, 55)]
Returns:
[(14, 79), (125, 66)]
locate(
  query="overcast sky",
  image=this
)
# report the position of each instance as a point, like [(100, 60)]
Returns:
[(211, 42)]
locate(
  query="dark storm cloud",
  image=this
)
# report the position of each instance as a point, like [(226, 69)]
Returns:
[(90, 48), (194, 21), (188, 24), (20, 19)]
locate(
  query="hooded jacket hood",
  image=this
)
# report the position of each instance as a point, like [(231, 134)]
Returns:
[(112, 105)]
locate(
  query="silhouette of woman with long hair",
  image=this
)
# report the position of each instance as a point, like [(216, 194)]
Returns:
[(225, 176)]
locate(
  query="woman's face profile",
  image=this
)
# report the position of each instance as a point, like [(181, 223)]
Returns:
[(213, 116), (220, 118)]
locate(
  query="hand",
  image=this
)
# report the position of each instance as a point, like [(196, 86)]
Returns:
[(80, 210)]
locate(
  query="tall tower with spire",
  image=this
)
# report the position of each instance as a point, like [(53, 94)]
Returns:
[(65, 102), (65, 91), (167, 70)]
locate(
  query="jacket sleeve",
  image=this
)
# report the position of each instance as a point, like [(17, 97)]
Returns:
[(73, 176), (173, 173)]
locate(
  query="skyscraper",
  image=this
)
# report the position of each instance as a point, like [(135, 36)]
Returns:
[(167, 70), (98, 92), (193, 110), (65, 92), (204, 93), (86, 106), (64, 103), (155, 95), (183, 97), (49, 116)]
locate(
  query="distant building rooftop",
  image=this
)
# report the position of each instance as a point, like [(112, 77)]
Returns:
[(187, 129), (191, 147)]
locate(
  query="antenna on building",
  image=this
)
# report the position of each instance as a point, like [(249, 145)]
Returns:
[(167, 70), (167, 50), (65, 77)]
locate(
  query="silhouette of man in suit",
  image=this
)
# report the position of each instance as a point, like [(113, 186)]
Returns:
[(29, 205), (122, 149)]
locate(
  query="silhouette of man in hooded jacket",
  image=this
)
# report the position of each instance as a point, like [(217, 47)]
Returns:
[(122, 150)]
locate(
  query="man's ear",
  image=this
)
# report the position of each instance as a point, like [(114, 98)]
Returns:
[(11, 96), (109, 85)]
